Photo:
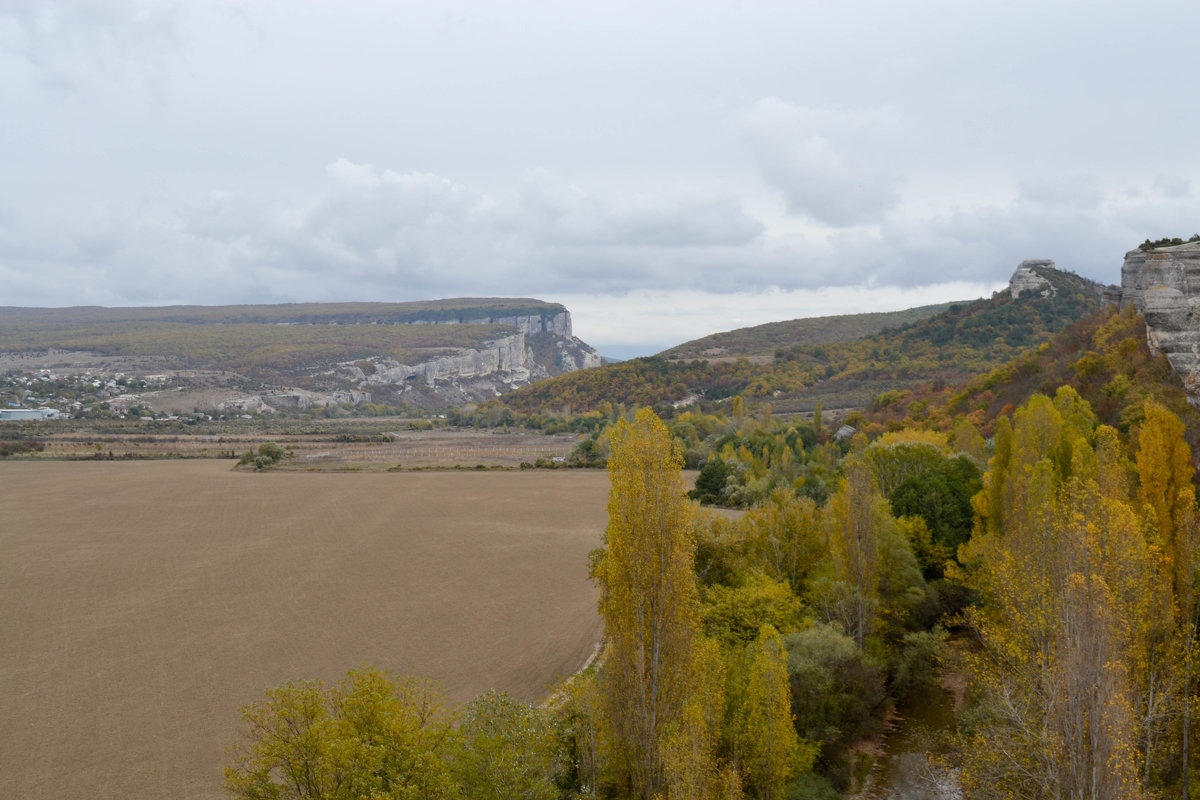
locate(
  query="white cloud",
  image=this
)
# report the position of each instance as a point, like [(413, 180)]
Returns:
[(359, 150), (831, 165), (353, 174), (380, 234)]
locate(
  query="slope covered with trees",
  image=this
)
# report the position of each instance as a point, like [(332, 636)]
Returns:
[(1104, 357), (1050, 568), (1054, 569), (963, 340)]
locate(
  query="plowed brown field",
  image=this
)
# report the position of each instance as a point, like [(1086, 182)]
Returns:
[(142, 603)]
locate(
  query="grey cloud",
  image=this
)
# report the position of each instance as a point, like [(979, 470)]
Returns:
[(830, 165), (379, 233)]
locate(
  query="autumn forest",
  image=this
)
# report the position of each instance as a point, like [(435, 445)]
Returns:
[(1020, 549)]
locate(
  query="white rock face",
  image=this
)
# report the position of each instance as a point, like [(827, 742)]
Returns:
[(557, 324), (503, 355), (1164, 284), (1025, 279), (574, 355), (477, 374), (269, 403)]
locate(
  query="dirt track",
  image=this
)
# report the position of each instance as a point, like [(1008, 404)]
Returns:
[(142, 603)]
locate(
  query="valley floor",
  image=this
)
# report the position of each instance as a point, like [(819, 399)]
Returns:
[(145, 602)]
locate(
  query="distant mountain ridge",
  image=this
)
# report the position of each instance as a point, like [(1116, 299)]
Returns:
[(428, 353), (457, 310), (762, 340)]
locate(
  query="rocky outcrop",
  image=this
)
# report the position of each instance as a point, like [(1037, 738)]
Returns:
[(572, 354), (1164, 284), (507, 356), (271, 402), (1027, 280), (542, 347)]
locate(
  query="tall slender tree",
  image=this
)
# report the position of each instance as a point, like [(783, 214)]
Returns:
[(1168, 505), (858, 515), (772, 752), (648, 598)]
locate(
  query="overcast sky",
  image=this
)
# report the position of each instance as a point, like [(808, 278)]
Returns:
[(666, 170)]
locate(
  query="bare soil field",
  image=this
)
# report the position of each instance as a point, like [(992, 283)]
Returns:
[(142, 603), (323, 451)]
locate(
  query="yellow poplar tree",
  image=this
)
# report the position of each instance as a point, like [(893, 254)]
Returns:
[(1066, 581), (772, 754), (857, 518), (1164, 463), (1165, 489), (689, 747), (648, 597)]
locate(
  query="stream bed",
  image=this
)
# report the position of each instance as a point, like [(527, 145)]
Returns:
[(904, 770)]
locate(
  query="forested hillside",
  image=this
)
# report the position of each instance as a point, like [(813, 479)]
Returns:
[(1104, 357), (963, 340)]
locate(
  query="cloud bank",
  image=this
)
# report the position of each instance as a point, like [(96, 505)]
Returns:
[(244, 152)]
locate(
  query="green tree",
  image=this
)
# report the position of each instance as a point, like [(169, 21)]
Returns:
[(786, 538), (711, 481), (735, 614), (507, 749), (835, 691), (373, 735)]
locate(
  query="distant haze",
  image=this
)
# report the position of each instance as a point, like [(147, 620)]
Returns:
[(666, 170)]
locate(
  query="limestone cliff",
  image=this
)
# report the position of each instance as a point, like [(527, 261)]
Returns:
[(539, 346), (1027, 280), (542, 347), (1164, 284)]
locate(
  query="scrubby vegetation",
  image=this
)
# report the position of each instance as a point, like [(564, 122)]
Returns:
[(17, 448), (268, 455), (1167, 242)]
